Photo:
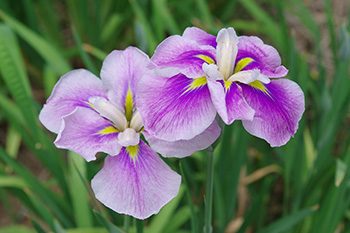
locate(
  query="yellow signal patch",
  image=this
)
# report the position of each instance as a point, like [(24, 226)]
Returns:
[(242, 63), (132, 151), (207, 59), (108, 130), (129, 104), (258, 85), (196, 83)]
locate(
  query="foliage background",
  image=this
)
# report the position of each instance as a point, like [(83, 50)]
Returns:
[(301, 187)]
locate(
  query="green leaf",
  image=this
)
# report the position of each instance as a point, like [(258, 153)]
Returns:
[(81, 206), (50, 53), (12, 182), (16, 229), (340, 172), (111, 228), (288, 222)]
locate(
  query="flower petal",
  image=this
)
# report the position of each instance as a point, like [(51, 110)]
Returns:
[(184, 54), (121, 71), (229, 102), (72, 90), (183, 148), (200, 36), (139, 188), (85, 132), (264, 57), (278, 107), (175, 108)]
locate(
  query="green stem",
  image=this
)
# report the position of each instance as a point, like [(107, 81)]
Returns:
[(209, 191), (126, 223), (139, 226)]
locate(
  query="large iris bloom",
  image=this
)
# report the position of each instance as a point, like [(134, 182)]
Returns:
[(94, 115), (200, 76)]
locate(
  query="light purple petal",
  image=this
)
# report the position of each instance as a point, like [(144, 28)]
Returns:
[(200, 36), (173, 111), (277, 112), (138, 189), (72, 90), (183, 148), (182, 53), (230, 105), (80, 133), (122, 70), (266, 57)]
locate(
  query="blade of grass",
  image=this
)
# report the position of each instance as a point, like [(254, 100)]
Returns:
[(50, 53), (81, 207), (110, 227)]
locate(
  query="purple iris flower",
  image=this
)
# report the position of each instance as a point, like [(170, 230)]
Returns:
[(200, 75), (93, 115)]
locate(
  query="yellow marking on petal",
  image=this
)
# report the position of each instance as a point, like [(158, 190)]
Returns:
[(90, 104), (132, 151), (129, 103), (196, 83), (242, 63), (227, 85), (207, 59), (108, 130), (258, 85)]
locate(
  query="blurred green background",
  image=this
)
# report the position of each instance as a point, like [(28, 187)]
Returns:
[(301, 187)]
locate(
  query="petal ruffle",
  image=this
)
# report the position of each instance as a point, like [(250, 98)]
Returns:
[(183, 148), (85, 132), (229, 101), (200, 36), (121, 71), (278, 109), (139, 188), (72, 90), (175, 108), (266, 57), (184, 54)]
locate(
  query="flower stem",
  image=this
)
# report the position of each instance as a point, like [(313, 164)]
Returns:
[(139, 226), (209, 191), (126, 223)]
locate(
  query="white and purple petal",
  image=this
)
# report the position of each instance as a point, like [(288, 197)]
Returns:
[(138, 187), (265, 57), (184, 54), (121, 71), (176, 108), (200, 36), (183, 148), (72, 90), (85, 132), (278, 107), (229, 102)]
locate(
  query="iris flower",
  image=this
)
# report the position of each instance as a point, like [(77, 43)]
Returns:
[(93, 115), (200, 75)]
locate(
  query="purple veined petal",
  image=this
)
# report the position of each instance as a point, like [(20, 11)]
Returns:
[(85, 132), (278, 107), (264, 57), (184, 54), (200, 36), (183, 148), (121, 71), (72, 90), (229, 101), (139, 188), (176, 108)]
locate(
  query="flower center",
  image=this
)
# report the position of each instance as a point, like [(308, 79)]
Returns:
[(129, 131)]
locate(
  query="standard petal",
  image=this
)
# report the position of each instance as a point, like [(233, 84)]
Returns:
[(184, 54), (139, 188), (229, 101), (200, 36), (85, 132), (175, 108), (72, 90), (121, 71), (264, 57), (183, 148), (278, 107)]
